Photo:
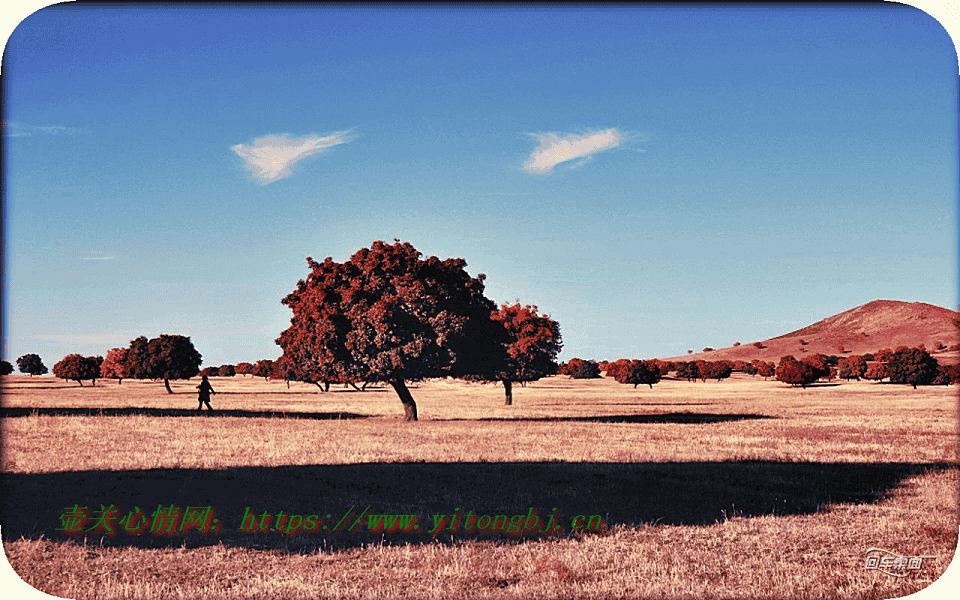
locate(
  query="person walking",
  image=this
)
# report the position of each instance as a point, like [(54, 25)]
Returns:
[(205, 390)]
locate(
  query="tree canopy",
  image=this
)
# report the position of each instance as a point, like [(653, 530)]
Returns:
[(388, 315), (31, 365), (913, 366), (78, 368), (532, 344), (166, 357), (114, 365)]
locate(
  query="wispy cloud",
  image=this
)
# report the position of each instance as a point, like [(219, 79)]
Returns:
[(14, 129), (270, 158), (111, 257), (554, 150)]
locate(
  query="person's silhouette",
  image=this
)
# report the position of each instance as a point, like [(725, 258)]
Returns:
[(205, 390)]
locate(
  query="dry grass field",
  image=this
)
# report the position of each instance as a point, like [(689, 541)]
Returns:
[(740, 489)]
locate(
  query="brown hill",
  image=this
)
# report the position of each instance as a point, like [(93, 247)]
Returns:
[(868, 328)]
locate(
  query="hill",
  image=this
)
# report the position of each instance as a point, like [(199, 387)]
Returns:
[(867, 328)]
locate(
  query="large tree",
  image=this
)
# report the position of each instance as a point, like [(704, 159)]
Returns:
[(31, 364), (387, 315), (78, 367), (912, 365), (5, 368), (166, 357), (533, 344)]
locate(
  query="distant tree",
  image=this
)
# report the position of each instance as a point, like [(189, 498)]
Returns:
[(751, 370), (883, 355), (736, 344), (868, 357), (78, 368), (820, 364), (951, 373), (689, 351), (226, 371), (664, 366), (639, 371), (766, 369), (840, 348), (210, 371), (803, 342), (166, 357), (758, 345), (708, 349), (388, 315), (614, 368), (263, 368), (5, 368), (114, 365), (244, 368), (578, 368), (533, 342), (688, 370), (876, 371), (795, 372), (717, 369), (913, 366), (31, 365), (853, 367)]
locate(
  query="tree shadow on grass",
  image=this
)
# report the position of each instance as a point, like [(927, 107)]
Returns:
[(342, 497), (6, 412), (684, 417)]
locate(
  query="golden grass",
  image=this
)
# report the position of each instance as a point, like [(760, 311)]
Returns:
[(856, 465)]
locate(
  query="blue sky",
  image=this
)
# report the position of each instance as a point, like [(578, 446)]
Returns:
[(656, 179)]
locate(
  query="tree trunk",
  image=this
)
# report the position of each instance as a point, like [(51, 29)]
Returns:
[(406, 398), (353, 385), (166, 383), (508, 391)]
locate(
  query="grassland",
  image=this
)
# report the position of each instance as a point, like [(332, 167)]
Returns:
[(740, 489)]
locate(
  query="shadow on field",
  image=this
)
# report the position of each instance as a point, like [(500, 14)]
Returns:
[(684, 417), (170, 412), (687, 493)]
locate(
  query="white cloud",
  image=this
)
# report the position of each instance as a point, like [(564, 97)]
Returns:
[(270, 158), (12, 129), (554, 150)]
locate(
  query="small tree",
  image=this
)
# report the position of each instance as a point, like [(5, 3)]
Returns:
[(883, 355), (766, 369), (577, 368), (114, 365), (263, 368), (637, 372), (758, 345), (244, 368), (31, 365), (876, 371), (913, 366), (210, 371), (533, 344), (717, 369), (5, 368), (78, 368), (688, 370), (226, 371), (853, 367), (795, 372)]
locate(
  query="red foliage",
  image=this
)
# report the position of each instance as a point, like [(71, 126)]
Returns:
[(388, 315)]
